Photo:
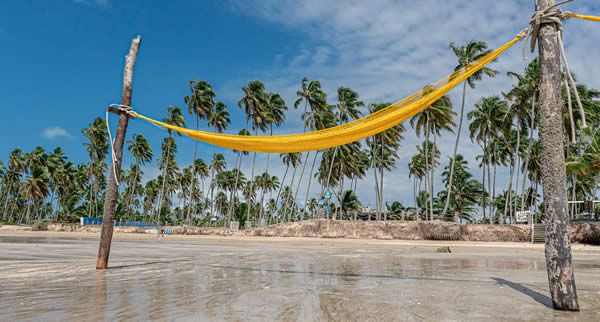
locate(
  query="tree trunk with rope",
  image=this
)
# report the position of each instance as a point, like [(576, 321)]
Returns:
[(112, 188), (559, 264)]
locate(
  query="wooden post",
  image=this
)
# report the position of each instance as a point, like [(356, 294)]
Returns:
[(558, 240), (112, 189)]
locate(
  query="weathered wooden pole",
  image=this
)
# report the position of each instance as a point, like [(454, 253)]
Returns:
[(110, 199), (558, 240)]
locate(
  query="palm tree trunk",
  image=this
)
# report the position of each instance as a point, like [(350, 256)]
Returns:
[(460, 122), (211, 184), (132, 193), (527, 156), (162, 190), (281, 185), (287, 200), (432, 177), (490, 201), (508, 202), (427, 166), (341, 195), (238, 159), (312, 169), (381, 174), (374, 165), (300, 180), (189, 212), (249, 201), (415, 194), (494, 184), (517, 183), (5, 207), (483, 187), (332, 161), (558, 242)]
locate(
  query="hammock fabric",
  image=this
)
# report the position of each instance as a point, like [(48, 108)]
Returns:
[(353, 131)]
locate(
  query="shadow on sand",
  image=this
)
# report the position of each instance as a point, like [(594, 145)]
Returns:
[(538, 297)]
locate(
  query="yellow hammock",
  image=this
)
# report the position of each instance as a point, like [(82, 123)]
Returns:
[(350, 132), (353, 131)]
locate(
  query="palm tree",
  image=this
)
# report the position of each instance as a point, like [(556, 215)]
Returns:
[(275, 111), (466, 55), (219, 120), (16, 167), (97, 135), (200, 104), (36, 188), (142, 153), (254, 103), (320, 117), (487, 124), (238, 165), (292, 159), (433, 120), (174, 117), (350, 202)]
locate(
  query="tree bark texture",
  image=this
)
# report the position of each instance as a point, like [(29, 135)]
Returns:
[(112, 188), (558, 245)]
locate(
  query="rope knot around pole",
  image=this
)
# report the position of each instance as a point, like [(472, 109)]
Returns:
[(116, 109), (549, 15), (556, 16)]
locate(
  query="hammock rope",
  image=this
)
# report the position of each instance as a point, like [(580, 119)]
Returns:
[(378, 121)]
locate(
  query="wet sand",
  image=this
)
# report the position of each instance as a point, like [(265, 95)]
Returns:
[(51, 276)]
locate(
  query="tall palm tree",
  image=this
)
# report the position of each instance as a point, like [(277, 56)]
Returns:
[(254, 103), (97, 135), (219, 120), (488, 117), (436, 118), (275, 111), (238, 165), (36, 188), (200, 104), (16, 168), (142, 153), (174, 117), (292, 159), (466, 55)]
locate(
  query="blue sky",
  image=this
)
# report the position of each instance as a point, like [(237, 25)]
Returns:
[(62, 61)]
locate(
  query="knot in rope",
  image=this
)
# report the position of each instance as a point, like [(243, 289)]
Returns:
[(556, 16), (128, 110), (549, 15)]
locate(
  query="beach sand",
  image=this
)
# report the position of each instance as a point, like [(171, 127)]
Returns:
[(52, 276)]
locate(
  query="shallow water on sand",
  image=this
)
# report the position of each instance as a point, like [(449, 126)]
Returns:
[(50, 278)]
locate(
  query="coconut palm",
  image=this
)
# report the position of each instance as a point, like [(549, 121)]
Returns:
[(36, 188), (219, 120), (466, 55), (200, 104), (254, 103), (97, 135), (238, 165), (487, 124), (275, 111), (432, 121), (169, 148), (16, 168), (142, 153)]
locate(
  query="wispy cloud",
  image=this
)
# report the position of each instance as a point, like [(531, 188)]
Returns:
[(94, 3), (388, 49), (54, 132)]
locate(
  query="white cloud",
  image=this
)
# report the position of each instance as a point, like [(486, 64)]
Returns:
[(388, 49), (96, 3), (54, 132)]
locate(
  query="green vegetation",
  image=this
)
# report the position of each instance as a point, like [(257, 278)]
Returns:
[(45, 185)]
